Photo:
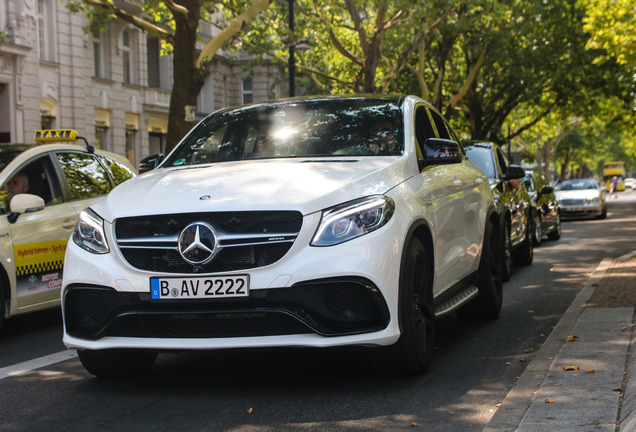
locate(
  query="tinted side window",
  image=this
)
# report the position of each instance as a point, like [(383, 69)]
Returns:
[(529, 182), (440, 125), (118, 171), (423, 129), (483, 159), (423, 126), (38, 178), (84, 175)]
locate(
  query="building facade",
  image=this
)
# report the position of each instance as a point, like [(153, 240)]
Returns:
[(113, 87)]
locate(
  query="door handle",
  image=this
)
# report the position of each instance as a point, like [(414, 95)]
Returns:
[(457, 183), (68, 224)]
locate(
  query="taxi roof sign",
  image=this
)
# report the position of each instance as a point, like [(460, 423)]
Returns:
[(55, 135)]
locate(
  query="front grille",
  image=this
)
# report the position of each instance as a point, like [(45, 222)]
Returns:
[(573, 202), (244, 240), (328, 307)]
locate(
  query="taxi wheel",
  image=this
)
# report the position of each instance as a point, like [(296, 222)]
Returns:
[(413, 352), (112, 363)]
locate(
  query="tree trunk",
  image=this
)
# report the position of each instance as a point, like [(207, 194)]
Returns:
[(188, 79)]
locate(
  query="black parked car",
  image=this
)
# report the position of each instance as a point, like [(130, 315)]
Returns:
[(512, 198), (546, 214)]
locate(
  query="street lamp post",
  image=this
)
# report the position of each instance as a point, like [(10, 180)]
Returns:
[(292, 57)]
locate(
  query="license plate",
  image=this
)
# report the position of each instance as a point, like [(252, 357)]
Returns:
[(574, 209), (199, 287)]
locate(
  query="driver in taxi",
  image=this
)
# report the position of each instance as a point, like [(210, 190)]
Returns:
[(18, 184)]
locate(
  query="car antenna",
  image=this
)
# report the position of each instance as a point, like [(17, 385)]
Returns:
[(89, 147)]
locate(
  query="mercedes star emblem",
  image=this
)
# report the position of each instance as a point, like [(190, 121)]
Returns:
[(197, 243)]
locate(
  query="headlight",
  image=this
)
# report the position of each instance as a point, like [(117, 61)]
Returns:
[(89, 233), (353, 219), (592, 200)]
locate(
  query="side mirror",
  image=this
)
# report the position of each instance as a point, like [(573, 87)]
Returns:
[(150, 162), (440, 152), (24, 203), (546, 190), (515, 172)]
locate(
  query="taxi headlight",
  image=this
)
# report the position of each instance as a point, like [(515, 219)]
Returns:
[(353, 219), (89, 233)]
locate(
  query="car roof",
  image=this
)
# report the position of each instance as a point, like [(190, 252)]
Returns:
[(32, 150)]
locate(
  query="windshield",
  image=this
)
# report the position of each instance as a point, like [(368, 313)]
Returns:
[(482, 157), (577, 184), (316, 128), (9, 152)]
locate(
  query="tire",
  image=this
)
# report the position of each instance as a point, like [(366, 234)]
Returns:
[(506, 248), (2, 306), (487, 304), (524, 254), (537, 232), (113, 363), (555, 234), (412, 353)]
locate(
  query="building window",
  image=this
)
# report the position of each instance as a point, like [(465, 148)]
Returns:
[(126, 55), (47, 114), (248, 96), (132, 126), (46, 30), (100, 50), (102, 123), (157, 134), (153, 51), (131, 139)]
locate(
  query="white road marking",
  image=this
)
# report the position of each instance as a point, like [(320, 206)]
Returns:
[(37, 363)]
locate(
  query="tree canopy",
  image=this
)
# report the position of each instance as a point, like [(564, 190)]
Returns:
[(504, 70)]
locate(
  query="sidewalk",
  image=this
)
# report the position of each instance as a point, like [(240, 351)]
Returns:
[(582, 379)]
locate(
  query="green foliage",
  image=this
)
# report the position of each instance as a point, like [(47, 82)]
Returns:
[(611, 24)]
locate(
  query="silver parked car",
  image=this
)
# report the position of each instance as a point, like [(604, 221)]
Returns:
[(581, 198)]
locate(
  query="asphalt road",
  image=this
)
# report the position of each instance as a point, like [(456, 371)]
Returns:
[(475, 365)]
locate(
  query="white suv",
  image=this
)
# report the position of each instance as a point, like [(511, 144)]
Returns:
[(315, 222)]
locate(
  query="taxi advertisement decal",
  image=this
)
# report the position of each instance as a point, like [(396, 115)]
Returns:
[(39, 266)]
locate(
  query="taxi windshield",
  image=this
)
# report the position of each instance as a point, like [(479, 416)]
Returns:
[(291, 129)]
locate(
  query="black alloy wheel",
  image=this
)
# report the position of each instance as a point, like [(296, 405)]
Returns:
[(413, 352)]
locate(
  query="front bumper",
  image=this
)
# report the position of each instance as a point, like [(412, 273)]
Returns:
[(328, 307), (314, 296), (580, 211)]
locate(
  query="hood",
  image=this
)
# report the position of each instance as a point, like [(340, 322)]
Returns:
[(292, 184), (577, 194)]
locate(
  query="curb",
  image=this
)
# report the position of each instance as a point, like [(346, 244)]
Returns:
[(627, 412), (514, 407)]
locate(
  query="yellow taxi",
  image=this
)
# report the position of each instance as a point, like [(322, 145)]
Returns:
[(43, 188)]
